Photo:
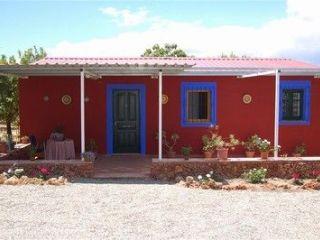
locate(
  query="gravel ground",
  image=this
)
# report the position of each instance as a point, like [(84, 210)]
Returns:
[(126, 209)]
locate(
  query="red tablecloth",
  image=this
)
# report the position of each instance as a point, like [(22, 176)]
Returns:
[(60, 150)]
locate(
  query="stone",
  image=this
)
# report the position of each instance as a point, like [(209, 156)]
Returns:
[(24, 180), (189, 179), (3, 178), (179, 179), (12, 181), (53, 181), (312, 185)]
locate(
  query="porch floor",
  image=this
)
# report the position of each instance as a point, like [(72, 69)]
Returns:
[(122, 166)]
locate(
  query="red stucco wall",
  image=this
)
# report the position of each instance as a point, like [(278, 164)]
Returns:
[(39, 117)]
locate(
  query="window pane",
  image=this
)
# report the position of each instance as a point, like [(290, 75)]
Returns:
[(198, 105), (292, 104)]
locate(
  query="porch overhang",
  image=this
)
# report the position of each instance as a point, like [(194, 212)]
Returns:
[(96, 69)]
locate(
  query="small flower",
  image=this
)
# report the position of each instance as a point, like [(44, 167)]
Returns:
[(211, 172), (199, 177), (208, 175), (296, 176)]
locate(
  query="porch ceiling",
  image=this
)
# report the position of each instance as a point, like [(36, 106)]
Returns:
[(99, 69)]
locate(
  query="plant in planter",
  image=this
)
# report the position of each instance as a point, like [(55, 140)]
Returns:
[(186, 151), (88, 156), (300, 150), (265, 148), (170, 143), (223, 145), (208, 142), (250, 145), (58, 133), (92, 147)]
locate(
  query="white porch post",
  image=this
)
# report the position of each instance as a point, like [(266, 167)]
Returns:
[(82, 111), (160, 117), (276, 112)]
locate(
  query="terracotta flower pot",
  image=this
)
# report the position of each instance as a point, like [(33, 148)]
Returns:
[(222, 153), (171, 154), (208, 154), (264, 155), (250, 154), (3, 147)]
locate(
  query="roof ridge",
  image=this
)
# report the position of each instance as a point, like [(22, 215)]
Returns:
[(173, 58)]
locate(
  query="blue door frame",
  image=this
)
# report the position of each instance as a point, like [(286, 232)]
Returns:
[(142, 95)]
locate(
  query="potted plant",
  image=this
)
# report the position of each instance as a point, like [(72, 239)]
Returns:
[(250, 145), (170, 143), (299, 150), (88, 156), (208, 142), (265, 148), (58, 133), (223, 145), (92, 147), (186, 151)]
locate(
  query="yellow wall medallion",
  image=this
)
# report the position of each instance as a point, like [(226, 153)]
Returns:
[(247, 98), (165, 99), (66, 99)]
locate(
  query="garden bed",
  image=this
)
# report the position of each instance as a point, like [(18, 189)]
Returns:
[(271, 184), (66, 168), (169, 169)]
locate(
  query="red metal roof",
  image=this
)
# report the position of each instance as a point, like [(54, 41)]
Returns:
[(196, 62)]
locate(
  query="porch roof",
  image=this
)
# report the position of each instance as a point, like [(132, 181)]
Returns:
[(151, 65)]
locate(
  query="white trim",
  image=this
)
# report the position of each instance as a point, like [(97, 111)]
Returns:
[(276, 112), (257, 74), (82, 110), (160, 116)]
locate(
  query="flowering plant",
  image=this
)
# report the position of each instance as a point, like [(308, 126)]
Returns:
[(251, 143), (300, 149), (255, 175), (43, 172), (13, 171), (215, 141), (206, 178), (297, 178), (265, 146)]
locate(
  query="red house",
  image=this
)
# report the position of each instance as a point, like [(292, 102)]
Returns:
[(115, 101)]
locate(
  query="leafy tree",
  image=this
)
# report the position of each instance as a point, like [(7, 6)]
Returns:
[(9, 105), (169, 50)]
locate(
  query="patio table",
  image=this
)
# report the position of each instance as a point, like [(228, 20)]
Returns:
[(60, 150)]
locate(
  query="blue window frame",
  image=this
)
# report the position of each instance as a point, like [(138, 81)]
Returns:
[(294, 102), (198, 104)]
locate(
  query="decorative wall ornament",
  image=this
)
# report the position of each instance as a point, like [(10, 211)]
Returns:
[(86, 99), (165, 99), (45, 98), (66, 99), (247, 98)]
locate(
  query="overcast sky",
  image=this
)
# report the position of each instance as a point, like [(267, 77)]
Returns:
[(275, 28)]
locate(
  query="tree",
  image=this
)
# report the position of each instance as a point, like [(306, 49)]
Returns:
[(9, 98), (169, 50)]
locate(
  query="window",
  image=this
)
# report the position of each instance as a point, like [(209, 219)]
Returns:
[(198, 104), (294, 102)]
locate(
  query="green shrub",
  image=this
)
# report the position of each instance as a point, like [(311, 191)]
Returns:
[(256, 175)]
